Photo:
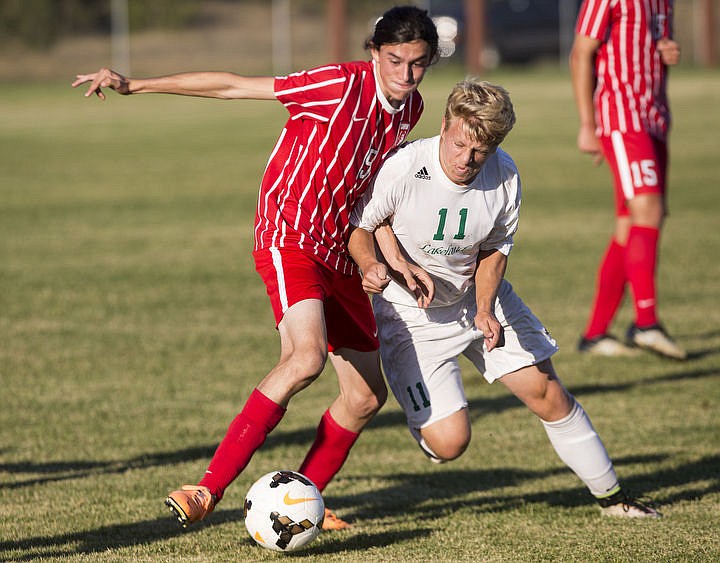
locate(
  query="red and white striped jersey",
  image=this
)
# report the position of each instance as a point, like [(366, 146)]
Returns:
[(341, 128), (631, 93)]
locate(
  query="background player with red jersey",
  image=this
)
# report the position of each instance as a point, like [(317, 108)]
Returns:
[(344, 120), (619, 72)]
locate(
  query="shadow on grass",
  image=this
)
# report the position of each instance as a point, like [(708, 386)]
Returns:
[(580, 390), (61, 471), (430, 495), (361, 541), (418, 496), (64, 470), (98, 540), (479, 407), (106, 538)]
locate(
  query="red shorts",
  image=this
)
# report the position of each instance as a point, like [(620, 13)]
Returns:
[(638, 162), (292, 276)]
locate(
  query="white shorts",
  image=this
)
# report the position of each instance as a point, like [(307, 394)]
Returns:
[(420, 349)]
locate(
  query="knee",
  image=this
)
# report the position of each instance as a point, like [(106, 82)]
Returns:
[(545, 395), (365, 404), (450, 448), (303, 366), (647, 210), (449, 437), (554, 406)]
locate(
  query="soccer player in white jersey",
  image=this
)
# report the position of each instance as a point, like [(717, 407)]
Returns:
[(619, 66), (444, 211), (344, 120)]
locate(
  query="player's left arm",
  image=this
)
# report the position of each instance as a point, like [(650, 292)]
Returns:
[(488, 276)]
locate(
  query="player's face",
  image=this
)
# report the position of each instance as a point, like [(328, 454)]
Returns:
[(461, 157), (401, 67)]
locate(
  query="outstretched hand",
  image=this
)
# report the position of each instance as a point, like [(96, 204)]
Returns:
[(104, 78)]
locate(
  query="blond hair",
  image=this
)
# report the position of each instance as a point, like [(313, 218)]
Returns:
[(485, 109)]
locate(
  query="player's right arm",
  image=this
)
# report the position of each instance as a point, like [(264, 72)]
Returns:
[(206, 84), (582, 71), (362, 249)]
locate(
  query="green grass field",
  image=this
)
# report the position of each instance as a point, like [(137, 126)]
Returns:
[(133, 327)]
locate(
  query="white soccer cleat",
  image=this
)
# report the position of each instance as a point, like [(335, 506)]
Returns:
[(621, 505), (655, 339), (604, 345)]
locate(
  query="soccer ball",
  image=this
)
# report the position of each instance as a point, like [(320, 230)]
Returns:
[(284, 511)]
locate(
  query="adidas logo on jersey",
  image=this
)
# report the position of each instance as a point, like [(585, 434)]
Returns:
[(422, 174)]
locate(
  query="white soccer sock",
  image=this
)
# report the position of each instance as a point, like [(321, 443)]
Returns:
[(424, 445), (579, 446)]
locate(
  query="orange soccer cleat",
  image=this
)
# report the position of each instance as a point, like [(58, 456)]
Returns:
[(332, 522), (190, 504)]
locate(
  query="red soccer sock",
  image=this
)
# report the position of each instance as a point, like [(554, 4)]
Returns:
[(247, 432), (329, 452), (610, 289), (640, 262)]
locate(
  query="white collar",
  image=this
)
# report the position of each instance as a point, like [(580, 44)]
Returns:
[(387, 106)]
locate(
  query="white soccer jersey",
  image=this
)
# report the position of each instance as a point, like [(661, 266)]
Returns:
[(442, 226)]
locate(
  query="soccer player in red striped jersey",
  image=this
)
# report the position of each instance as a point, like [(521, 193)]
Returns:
[(344, 120), (619, 63)]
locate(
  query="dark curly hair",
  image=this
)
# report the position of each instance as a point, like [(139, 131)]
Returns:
[(403, 24)]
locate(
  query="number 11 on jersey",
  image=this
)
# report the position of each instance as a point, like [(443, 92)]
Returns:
[(440, 233), (423, 397)]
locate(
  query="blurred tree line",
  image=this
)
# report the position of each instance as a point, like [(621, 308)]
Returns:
[(40, 23)]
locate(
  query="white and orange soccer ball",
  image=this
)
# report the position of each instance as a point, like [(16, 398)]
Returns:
[(284, 511)]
